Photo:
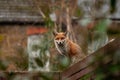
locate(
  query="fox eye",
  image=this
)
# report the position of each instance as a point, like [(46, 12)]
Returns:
[(62, 38)]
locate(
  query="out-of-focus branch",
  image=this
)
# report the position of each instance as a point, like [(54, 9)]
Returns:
[(69, 26), (39, 9), (73, 8)]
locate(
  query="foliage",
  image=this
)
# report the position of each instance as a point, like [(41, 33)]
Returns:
[(109, 72), (86, 77), (102, 25)]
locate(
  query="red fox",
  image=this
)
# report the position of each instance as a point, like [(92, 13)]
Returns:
[(66, 47)]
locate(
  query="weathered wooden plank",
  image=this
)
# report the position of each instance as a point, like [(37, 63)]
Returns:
[(85, 71), (82, 68), (82, 73), (76, 67)]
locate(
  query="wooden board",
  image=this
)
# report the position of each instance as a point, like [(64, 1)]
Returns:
[(90, 63)]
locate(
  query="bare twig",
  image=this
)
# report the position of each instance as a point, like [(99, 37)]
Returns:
[(69, 29), (39, 9)]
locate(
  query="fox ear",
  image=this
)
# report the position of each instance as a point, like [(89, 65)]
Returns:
[(66, 33), (55, 32)]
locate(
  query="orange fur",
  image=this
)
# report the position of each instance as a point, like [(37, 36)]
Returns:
[(66, 46)]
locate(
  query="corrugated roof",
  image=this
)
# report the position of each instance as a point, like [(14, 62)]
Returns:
[(19, 10)]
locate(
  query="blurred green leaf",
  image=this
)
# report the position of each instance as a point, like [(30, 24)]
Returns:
[(78, 12), (64, 62), (102, 25), (100, 76), (86, 77), (114, 68), (49, 23)]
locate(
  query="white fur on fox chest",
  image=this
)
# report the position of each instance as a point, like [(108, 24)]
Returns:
[(62, 49)]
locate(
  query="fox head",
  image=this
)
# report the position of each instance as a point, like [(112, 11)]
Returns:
[(59, 38)]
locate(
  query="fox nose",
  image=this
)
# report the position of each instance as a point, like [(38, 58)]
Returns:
[(60, 42)]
